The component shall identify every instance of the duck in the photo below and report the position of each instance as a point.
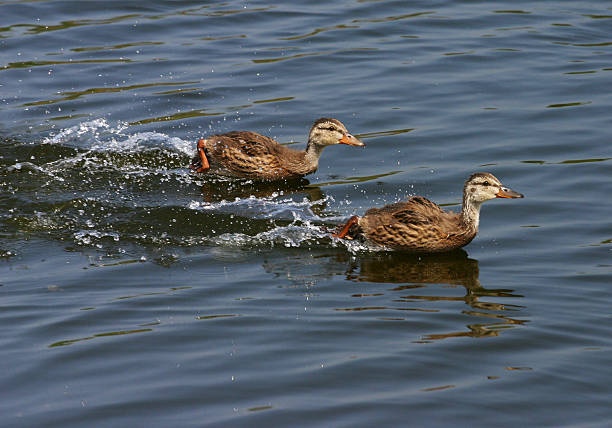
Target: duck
(249, 155)
(420, 226)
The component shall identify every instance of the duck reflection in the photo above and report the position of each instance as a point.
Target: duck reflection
(411, 279)
(222, 189)
(449, 270)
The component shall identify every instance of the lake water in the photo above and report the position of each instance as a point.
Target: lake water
(135, 293)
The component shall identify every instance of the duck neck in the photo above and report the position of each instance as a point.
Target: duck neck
(313, 153)
(470, 213)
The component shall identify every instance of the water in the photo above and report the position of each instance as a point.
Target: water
(135, 293)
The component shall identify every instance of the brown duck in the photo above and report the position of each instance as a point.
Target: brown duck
(247, 154)
(419, 225)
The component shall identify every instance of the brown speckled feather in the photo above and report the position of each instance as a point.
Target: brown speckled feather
(251, 155)
(415, 225)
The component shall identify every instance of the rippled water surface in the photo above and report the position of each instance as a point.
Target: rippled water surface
(135, 293)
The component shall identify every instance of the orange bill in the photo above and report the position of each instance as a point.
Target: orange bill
(350, 140)
(505, 192)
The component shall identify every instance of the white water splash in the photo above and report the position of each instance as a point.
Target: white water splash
(300, 234)
(260, 208)
(99, 135)
(31, 167)
(94, 128)
(266, 207)
(92, 237)
(293, 235)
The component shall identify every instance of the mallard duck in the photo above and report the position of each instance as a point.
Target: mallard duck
(250, 155)
(419, 225)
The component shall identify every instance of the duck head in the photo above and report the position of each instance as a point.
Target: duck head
(482, 186)
(327, 131)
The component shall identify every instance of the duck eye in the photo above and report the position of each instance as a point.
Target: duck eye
(486, 183)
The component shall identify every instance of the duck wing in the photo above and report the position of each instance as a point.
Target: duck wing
(247, 154)
(417, 224)
(416, 210)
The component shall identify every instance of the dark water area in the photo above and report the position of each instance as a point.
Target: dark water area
(136, 293)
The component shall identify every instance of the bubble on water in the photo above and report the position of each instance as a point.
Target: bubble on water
(5, 254)
(93, 237)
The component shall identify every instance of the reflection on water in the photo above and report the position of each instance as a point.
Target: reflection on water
(112, 333)
(411, 287)
(217, 189)
(357, 179)
(451, 269)
(73, 95)
(569, 161)
(318, 31)
(143, 328)
(29, 64)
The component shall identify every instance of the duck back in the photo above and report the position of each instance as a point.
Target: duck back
(416, 225)
(251, 155)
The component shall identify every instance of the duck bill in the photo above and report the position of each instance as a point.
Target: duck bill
(504, 192)
(350, 140)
